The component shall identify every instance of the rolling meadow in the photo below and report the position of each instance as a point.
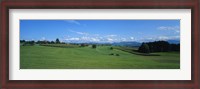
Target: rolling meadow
(102, 57)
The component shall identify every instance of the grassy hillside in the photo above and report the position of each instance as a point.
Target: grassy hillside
(44, 57)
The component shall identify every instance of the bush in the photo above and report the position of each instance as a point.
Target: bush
(111, 54)
(111, 48)
(117, 54)
(94, 46)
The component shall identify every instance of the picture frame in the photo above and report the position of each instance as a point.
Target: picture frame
(119, 4)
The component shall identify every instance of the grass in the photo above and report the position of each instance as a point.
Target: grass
(60, 45)
(45, 57)
(134, 51)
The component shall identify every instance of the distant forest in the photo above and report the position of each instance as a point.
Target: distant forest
(158, 46)
(40, 42)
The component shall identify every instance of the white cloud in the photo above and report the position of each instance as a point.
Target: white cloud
(82, 39)
(159, 38)
(96, 35)
(177, 31)
(132, 38)
(109, 39)
(123, 39)
(73, 22)
(91, 39)
(95, 39)
(112, 35)
(81, 33)
(170, 28)
(85, 38)
(168, 37)
(163, 38)
(72, 39)
(43, 38)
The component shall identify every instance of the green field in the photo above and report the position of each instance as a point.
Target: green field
(45, 57)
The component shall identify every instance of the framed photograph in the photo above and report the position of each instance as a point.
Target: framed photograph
(100, 44)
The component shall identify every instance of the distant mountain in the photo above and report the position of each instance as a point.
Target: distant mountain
(174, 41)
(131, 44)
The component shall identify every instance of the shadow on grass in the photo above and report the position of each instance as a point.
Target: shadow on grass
(133, 51)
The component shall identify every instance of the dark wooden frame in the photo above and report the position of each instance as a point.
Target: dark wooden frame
(103, 4)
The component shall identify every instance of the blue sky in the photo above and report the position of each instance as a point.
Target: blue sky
(100, 30)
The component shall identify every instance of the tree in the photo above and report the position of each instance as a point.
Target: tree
(83, 44)
(111, 48)
(94, 46)
(52, 42)
(57, 41)
(144, 48)
(32, 42)
(22, 41)
(48, 42)
(159, 46)
(29, 43)
(174, 47)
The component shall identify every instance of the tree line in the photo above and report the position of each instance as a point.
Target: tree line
(158, 46)
(57, 41)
